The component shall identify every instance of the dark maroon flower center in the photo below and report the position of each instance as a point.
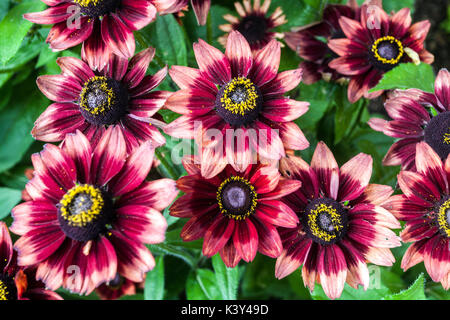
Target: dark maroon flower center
(239, 102)
(441, 217)
(253, 28)
(325, 220)
(97, 8)
(386, 53)
(85, 212)
(437, 134)
(8, 290)
(237, 198)
(103, 101)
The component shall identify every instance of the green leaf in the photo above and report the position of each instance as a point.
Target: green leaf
(8, 199)
(227, 278)
(407, 76)
(415, 292)
(14, 28)
(17, 121)
(4, 6)
(201, 285)
(166, 36)
(154, 282)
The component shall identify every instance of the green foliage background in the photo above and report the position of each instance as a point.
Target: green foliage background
(181, 271)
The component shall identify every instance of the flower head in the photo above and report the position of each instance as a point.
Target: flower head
(424, 205)
(236, 213)
(236, 96)
(417, 116)
(254, 23)
(103, 26)
(91, 101)
(91, 213)
(310, 42)
(17, 283)
(376, 44)
(341, 222)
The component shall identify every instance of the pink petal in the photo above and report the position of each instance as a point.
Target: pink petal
(265, 63)
(52, 15)
(77, 146)
(109, 156)
(332, 269)
(284, 110)
(134, 171)
(56, 121)
(38, 244)
(239, 54)
(75, 68)
(326, 169)
(277, 213)
(6, 247)
(148, 83)
(117, 36)
(134, 259)
(157, 194)
(136, 14)
(442, 88)
(62, 36)
(59, 88)
(245, 239)
(141, 223)
(355, 176)
(284, 81)
(195, 102)
(217, 235)
(138, 67)
(201, 9)
(212, 62)
(32, 215)
(94, 51)
(187, 78)
(269, 240)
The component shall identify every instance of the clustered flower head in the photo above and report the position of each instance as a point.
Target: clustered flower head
(90, 210)
(241, 95)
(341, 222)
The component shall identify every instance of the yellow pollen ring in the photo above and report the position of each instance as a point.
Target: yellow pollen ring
(313, 216)
(242, 107)
(442, 218)
(447, 138)
(3, 291)
(84, 217)
(101, 83)
(86, 3)
(253, 195)
(391, 40)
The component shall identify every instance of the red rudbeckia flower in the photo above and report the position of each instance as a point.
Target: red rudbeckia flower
(236, 95)
(342, 225)
(103, 26)
(90, 101)
(17, 283)
(201, 8)
(308, 42)
(91, 213)
(413, 122)
(425, 206)
(235, 212)
(376, 44)
(253, 23)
